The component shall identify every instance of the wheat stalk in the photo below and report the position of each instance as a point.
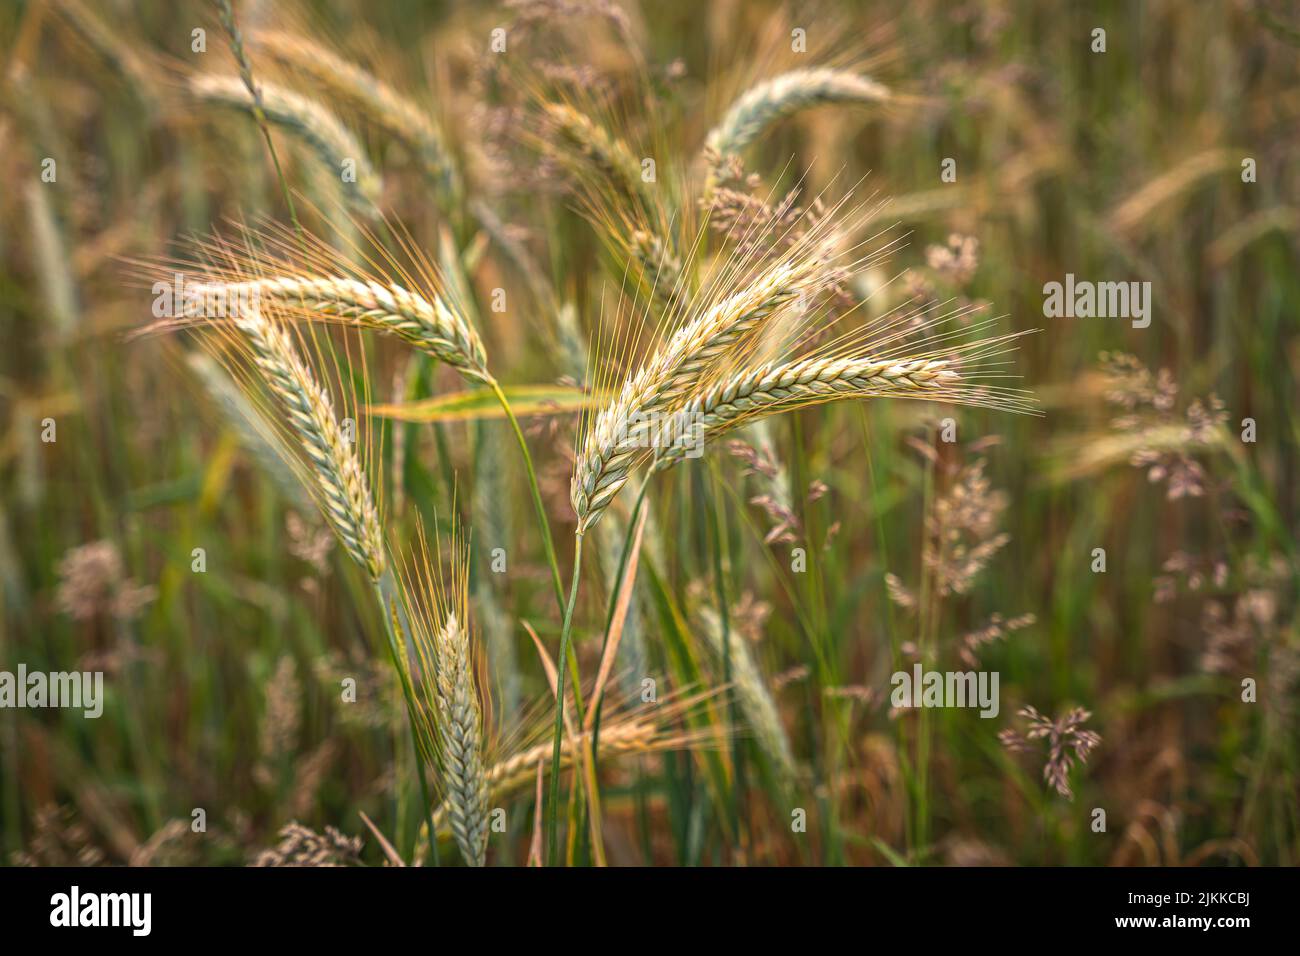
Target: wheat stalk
(316, 126)
(375, 100)
(338, 477)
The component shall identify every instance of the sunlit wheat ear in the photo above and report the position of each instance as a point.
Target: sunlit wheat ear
(307, 280)
(334, 145)
(753, 695)
(771, 100)
(390, 111)
(428, 324)
(438, 611)
(462, 742)
(618, 437)
(772, 389)
(335, 473)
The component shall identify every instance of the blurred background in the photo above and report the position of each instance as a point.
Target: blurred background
(1161, 151)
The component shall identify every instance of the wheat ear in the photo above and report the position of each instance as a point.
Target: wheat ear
(618, 437)
(771, 389)
(339, 479)
(312, 123)
(460, 725)
(765, 103)
(375, 100)
(428, 323)
(753, 695)
(611, 156)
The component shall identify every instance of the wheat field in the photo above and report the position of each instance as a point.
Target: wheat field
(600, 433)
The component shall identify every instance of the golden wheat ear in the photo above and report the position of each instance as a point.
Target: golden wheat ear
(307, 280)
(760, 341)
(379, 104)
(436, 596)
(333, 472)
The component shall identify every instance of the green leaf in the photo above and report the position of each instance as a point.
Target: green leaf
(480, 403)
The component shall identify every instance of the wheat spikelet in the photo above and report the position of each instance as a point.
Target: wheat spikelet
(379, 103)
(618, 437)
(331, 141)
(753, 695)
(338, 477)
(771, 100)
(426, 322)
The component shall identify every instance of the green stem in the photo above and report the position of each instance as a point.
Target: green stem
(533, 488)
(566, 634)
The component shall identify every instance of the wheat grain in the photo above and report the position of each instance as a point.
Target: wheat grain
(771, 389)
(461, 734)
(513, 774)
(618, 437)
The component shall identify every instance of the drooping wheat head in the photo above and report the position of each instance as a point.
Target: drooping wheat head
(395, 114)
(707, 331)
(308, 280)
(771, 100)
(335, 473)
(759, 341)
(335, 147)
